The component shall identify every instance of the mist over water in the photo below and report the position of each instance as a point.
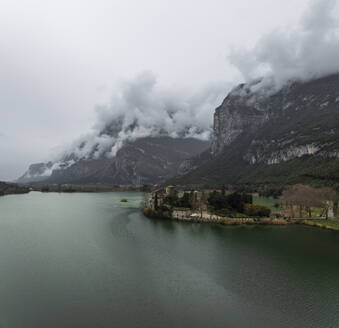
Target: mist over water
(88, 260)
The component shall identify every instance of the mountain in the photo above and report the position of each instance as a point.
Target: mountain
(36, 173)
(148, 160)
(263, 138)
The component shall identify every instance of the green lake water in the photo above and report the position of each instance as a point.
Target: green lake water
(88, 260)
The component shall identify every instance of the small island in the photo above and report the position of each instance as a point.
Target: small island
(298, 204)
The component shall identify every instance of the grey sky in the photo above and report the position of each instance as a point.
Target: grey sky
(58, 59)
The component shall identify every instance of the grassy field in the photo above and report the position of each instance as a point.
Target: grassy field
(270, 202)
(267, 202)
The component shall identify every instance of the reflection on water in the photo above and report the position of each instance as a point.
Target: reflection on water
(89, 260)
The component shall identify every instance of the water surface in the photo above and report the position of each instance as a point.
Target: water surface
(88, 260)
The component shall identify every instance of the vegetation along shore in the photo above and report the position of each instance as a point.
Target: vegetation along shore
(298, 204)
(12, 188)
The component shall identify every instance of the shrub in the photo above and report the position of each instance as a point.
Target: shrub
(256, 210)
(218, 201)
(233, 202)
(224, 212)
(171, 200)
(184, 201)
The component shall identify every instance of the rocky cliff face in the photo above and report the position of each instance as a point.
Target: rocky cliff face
(240, 112)
(301, 119)
(258, 129)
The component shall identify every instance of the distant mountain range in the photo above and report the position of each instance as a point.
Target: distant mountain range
(261, 138)
(265, 138)
(149, 160)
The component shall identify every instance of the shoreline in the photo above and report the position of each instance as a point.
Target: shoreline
(329, 224)
(12, 189)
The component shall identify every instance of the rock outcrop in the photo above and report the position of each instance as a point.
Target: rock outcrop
(300, 119)
(240, 112)
(261, 130)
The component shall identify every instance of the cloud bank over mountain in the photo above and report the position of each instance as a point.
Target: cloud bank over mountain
(307, 51)
(53, 69)
(140, 108)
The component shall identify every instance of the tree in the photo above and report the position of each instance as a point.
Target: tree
(233, 202)
(217, 201)
(145, 203)
(305, 197)
(184, 201)
(328, 198)
(156, 205)
(202, 202)
(256, 210)
(223, 190)
(171, 200)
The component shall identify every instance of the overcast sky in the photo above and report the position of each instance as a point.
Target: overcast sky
(58, 59)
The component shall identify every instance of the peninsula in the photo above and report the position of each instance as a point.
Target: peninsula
(298, 204)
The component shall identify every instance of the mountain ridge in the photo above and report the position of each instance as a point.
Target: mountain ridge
(254, 132)
(260, 137)
(148, 160)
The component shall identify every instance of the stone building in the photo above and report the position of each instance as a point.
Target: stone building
(171, 191)
(158, 196)
(198, 200)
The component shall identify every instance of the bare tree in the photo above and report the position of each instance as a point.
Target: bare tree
(203, 201)
(327, 197)
(306, 197)
(145, 200)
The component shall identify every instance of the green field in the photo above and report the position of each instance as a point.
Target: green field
(270, 202)
(267, 202)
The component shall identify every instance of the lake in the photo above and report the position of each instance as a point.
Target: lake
(88, 260)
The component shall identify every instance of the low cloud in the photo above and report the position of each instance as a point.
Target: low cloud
(311, 50)
(141, 108)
